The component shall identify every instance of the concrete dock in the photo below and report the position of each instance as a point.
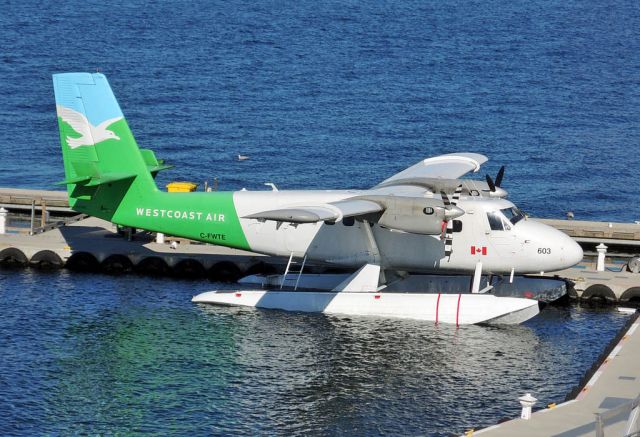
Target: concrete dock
(591, 233)
(18, 198)
(613, 284)
(94, 245)
(609, 392)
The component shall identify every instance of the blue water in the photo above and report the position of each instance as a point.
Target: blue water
(319, 95)
(88, 355)
(344, 94)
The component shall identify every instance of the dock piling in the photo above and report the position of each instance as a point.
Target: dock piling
(3, 220)
(602, 253)
(43, 213)
(33, 216)
(527, 401)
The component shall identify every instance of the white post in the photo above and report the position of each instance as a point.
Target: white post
(527, 402)
(160, 238)
(513, 270)
(33, 216)
(3, 220)
(602, 252)
(477, 276)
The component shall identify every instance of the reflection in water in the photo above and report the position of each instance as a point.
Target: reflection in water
(95, 354)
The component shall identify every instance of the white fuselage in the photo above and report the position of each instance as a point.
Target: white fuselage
(502, 246)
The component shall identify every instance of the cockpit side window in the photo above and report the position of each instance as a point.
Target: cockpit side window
(513, 214)
(495, 222)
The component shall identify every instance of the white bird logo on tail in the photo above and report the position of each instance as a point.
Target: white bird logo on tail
(90, 134)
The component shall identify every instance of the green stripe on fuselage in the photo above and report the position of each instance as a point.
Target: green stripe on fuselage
(208, 217)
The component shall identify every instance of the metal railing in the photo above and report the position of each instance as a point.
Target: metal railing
(631, 407)
(54, 225)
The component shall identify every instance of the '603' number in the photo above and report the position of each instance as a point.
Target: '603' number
(544, 250)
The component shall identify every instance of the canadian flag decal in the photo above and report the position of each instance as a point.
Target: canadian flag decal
(478, 250)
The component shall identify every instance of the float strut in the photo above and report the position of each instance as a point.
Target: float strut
(477, 277)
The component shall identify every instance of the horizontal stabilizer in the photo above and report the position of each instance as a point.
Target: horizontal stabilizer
(75, 180)
(157, 168)
(153, 164)
(89, 181)
(110, 177)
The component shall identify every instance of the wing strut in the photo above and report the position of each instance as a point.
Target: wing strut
(373, 249)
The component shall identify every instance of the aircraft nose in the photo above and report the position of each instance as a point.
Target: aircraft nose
(554, 250)
(571, 251)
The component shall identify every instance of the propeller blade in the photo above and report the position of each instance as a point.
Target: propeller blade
(445, 199)
(499, 176)
(448, 242)
(456, 195)
(492, 186)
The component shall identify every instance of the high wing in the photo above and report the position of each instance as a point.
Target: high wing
(418, 215)
(333, 211)
(399, 199)
(450, 166)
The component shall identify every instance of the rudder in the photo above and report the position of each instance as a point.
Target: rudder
(102, 160)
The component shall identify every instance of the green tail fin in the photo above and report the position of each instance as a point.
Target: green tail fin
(102, 160)
(108, 176)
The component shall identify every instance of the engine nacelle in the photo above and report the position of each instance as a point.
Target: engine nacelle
(415, 215)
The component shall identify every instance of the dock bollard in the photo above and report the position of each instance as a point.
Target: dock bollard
(527, 402)
(602, 252)
(3, 220)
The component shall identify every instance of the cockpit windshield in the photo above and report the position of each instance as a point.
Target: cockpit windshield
(513, 214)
(495, 222)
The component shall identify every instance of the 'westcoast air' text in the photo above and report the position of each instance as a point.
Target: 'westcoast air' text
(180, 215)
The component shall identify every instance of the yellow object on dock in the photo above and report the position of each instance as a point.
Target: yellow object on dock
(181, 187)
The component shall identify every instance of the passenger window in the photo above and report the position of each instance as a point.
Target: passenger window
(348, 221)
(495, 222)
(330, 223)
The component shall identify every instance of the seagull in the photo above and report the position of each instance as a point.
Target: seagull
(242, 157)
(90, 134)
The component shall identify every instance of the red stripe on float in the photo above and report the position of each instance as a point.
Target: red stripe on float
(238, 294)
(437, 308)
(377, 296)
(458, 310)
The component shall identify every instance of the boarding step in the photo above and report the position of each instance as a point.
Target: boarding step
(294, 268)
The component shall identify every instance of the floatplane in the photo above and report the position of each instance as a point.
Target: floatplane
(423, 220)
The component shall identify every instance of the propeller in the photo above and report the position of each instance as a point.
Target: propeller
(451, 211)
(494, 187)
(499, 176)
